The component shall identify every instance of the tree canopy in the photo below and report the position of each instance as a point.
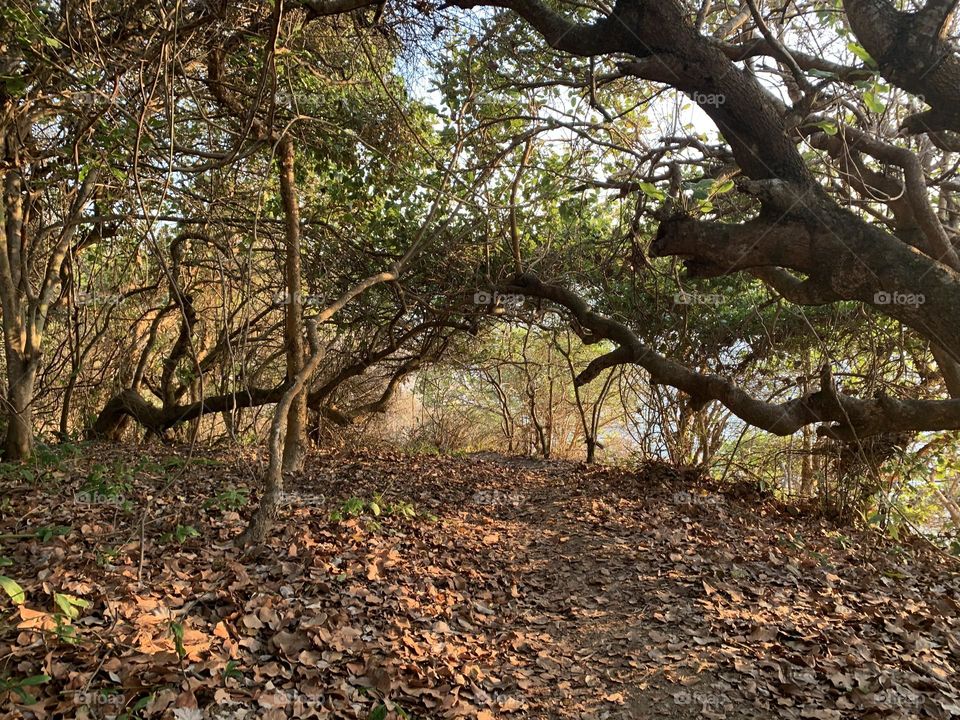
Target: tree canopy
(752, 203)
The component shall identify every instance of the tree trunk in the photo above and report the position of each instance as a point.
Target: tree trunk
(21, 375)
(18, 333)
(266, 513)
(294, 446)
(949, 368)
(808, 481)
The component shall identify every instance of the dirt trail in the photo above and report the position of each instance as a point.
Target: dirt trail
(649, 595)
(477, 587)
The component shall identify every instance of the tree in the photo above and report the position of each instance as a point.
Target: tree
(265, 514)
(804, 236)
(332, 207)
(52, 128)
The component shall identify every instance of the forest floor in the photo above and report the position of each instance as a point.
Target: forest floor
(437, 587)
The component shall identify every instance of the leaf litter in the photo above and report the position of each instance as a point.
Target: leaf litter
(398, 586)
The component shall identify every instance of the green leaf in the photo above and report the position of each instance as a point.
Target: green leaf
(13, 589)
(379, 712)
(828, 127)
(873, 102)
(719, 188)
(25, 697)
(15, 86)
(861, 52)
(176, 630)
(69, 604)
(651, 191)
(48, 532)
(701, 188)
(35, 680)
(230, 671)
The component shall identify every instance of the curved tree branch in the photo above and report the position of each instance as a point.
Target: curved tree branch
(913, 52)
(845, 417)
(609, 34)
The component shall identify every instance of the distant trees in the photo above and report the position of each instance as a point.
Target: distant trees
(513, 393)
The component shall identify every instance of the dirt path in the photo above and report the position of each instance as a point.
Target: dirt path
(476, 587)
(650, 596)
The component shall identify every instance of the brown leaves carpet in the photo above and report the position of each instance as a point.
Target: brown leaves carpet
(518, 589)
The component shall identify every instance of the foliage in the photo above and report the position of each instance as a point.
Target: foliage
(375, 507)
